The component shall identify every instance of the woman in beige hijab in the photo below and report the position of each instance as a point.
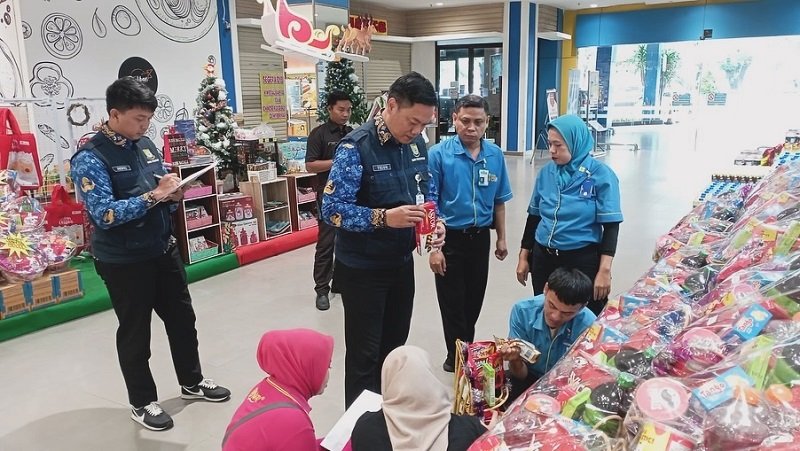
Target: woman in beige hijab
(416, 410)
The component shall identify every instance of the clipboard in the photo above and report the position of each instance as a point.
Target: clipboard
(185, 182)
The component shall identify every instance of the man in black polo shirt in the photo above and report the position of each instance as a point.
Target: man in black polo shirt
(322, 143)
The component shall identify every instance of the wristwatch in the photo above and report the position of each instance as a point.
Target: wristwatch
(149, 197)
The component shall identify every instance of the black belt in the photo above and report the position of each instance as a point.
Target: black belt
(559, 252)
(469, 230)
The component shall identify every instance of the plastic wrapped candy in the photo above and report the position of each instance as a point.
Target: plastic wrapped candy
(481, 383)
(26, 215)
(527, 429)
(8, 185)
(582, 389)
(19, 260)
(661, 417)
(58, 249)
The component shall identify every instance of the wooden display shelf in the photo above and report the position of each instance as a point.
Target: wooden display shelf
(262, 192)
(295, 181)
(211, 232)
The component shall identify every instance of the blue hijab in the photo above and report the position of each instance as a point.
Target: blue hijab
(579, 142)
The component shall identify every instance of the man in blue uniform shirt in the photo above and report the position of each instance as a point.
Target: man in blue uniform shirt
(470, 175)
(122, 178)
(551, 321)
(378, 180)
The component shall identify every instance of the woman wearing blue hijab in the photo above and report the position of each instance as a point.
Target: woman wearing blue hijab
(574, 213)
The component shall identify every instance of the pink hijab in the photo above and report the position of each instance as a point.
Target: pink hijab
(296, 359)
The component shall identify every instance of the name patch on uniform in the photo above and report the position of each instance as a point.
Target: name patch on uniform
(123, 168)
(381, 167)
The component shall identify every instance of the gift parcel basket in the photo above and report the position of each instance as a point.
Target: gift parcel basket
(481, 385)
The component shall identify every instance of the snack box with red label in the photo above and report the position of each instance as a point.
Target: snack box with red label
(235, 207)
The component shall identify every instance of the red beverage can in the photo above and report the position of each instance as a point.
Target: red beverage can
(428, 224)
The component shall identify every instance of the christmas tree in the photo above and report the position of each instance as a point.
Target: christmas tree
(340, 76)
(214, 119)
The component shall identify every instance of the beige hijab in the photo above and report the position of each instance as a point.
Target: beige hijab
(416, 405)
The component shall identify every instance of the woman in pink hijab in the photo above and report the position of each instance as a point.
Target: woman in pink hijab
(274, 416)
(415, 414)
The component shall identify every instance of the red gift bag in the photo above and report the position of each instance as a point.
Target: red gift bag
(18, 151)
(66, 215)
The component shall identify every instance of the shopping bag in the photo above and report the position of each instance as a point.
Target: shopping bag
(18, 151)
(66, 215)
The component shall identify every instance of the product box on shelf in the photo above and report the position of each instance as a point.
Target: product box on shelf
(197, 217)
(201, 248)
(305, 194)
(197, 190)
(262, 172)
(12, 301)
(235, 207)
(39, 292)
(239, 233)
(68, 285)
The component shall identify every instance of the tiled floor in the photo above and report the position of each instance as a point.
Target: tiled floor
(62, 388)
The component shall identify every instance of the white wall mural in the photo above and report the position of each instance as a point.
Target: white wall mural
(76, 48)
(12, 72)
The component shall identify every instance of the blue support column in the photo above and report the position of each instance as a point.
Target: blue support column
(226, 51)
(548, 76)
(651, 74)
(519, 49)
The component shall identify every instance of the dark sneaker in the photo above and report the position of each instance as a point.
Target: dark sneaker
(323, 303)
(449, 366)
(152, 416)
(206, 390)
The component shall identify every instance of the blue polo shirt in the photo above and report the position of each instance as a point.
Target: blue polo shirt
(463, 202)
(527, 323)
(572, 216)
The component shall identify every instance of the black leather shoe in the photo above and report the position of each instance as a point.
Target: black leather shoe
(448, 366)
(323, 303)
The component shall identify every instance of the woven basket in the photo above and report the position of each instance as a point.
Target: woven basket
(464, 403)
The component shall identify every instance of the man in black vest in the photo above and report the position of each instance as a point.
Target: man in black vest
(322, 142)
(378, 180)
(122, 179)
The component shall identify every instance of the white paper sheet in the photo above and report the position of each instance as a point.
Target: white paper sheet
(340, 433)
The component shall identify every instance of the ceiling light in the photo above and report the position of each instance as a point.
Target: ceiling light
(593, 5)
(438, 4)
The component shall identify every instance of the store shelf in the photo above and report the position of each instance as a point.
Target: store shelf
(200, 197)
(198, 229)
(306, 202)
(269, 210)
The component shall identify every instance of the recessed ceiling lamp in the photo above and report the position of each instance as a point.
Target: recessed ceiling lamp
(593, 5)
(438, 4)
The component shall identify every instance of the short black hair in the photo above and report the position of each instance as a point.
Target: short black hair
(413, 88)
(336, 96)
(571, 286)
(472, 101)
(127, 93)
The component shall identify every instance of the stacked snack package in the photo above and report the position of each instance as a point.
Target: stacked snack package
(702, 353)
(26, 250)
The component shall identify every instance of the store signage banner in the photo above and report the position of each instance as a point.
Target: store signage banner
(381, 25)
(273, 96)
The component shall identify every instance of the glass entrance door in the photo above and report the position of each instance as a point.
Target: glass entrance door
(466, 70)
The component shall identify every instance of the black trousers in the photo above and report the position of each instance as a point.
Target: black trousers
(544, 261)
(377, 317)
(461, 290)
(323, 255)
(138, 289)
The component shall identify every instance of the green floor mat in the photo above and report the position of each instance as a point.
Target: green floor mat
(96, 298)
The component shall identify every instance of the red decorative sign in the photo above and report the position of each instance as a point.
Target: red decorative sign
(381, 26)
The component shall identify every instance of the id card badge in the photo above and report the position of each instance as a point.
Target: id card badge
(420, 198)
(483, 177)
(587, 188)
